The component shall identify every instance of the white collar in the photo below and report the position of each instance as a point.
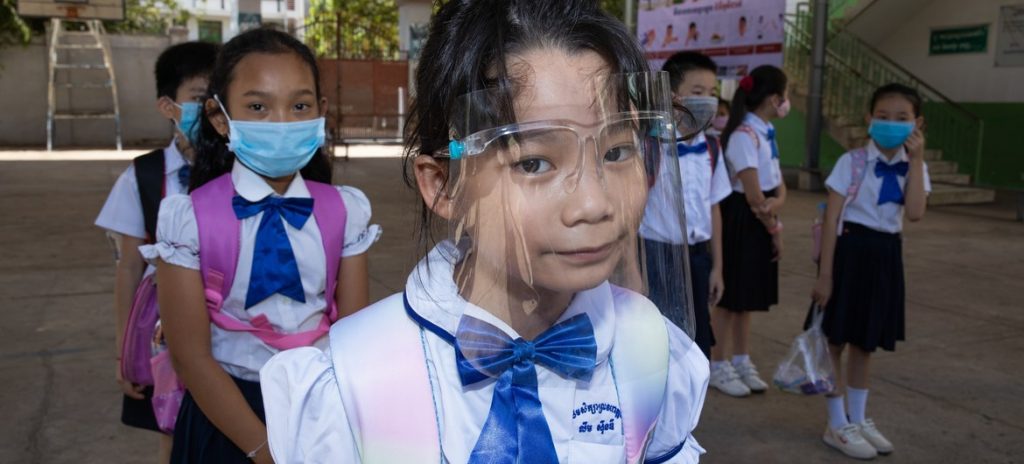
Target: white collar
(173, 159)
(875, 154)
(696, 140)
(253, 187)
(433, 295)
(755, 121)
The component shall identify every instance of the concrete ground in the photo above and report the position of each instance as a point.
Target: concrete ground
(954, 392)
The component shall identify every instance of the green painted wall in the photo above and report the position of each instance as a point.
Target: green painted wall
(792, 133)
(1002, 150)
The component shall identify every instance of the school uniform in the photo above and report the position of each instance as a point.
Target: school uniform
(868, 295)
(703, 186)
(313, 414)
(122, 215)
(239, 353)
(751, 277)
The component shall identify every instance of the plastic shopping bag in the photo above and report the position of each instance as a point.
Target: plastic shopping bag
(807, 369)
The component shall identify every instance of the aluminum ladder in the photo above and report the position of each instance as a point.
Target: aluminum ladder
(91, 39)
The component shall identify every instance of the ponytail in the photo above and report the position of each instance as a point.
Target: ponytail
(763, 82)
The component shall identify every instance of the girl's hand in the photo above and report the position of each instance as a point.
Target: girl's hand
(263, 456)
(717, 287)
(822, 291)
(769, 208)
(777, 246)
(129, 389)
(915, 145)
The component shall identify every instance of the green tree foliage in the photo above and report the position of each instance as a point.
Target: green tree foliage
(148, 17)
(13, 29)
(363, 28)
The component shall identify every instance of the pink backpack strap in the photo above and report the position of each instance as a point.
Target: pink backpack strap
(219, 243)
(858, 168)
(752, 133)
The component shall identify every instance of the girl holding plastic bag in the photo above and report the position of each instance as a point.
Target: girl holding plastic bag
(860, 279)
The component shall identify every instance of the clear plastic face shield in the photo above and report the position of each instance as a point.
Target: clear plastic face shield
(547, 186)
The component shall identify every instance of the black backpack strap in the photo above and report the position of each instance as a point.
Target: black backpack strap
(149, 175)
(714, 149)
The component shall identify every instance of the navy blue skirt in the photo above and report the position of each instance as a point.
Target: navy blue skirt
(139, 413)
(198, 441)
(751, 277)
(868, 290)
(662, 270)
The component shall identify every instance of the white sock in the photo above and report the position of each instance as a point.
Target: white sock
(717, 365)
(836, 412)
(858, 400)
(739, 359)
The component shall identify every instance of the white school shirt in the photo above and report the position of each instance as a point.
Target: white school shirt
(307, 421)
(745, 153)
(703, 187)
(242, 354)
(122, 213)
(864, 209)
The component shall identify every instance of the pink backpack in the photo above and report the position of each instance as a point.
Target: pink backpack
(136, 348)
(219, 235)
(858, 167)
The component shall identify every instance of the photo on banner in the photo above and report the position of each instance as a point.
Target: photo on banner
(739, 34)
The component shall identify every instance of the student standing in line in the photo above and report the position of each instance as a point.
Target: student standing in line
(705, 183)
(860, 280)
(263, 254)
(130, 212)
(751, 229)
(535, 123)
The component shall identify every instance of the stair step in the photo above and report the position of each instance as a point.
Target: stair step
(80, 66)
(942, 167)
(956, 195)
(80, 47)
(932, 155)
(86, 85)
(951, 178)
(98, 115)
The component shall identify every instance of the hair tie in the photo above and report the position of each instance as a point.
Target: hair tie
(747, 83)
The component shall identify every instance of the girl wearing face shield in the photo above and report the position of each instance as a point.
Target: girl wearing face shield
(533, 145)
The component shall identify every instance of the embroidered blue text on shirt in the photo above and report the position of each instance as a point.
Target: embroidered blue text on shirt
(602, 426)
(596, 408)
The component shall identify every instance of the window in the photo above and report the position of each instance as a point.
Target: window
(211, 31)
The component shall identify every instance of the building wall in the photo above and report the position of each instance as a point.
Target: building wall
(904, 36)
(23, 91)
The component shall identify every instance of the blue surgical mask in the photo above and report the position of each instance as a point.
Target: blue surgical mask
(890, 134)
(189, 122)
(274, 149)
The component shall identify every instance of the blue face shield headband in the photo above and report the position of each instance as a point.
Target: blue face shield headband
(890, 134)
(188, 124)
(274, 149)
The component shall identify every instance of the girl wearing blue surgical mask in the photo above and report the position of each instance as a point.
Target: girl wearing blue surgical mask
(263, 254)
(860, 279)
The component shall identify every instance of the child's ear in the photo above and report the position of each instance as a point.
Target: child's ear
(431, 177)
(167, 108)
(919, 122)
(867, 119)
(323, 106)
(216, 117)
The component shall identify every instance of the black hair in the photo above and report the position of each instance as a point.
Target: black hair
(212, 156)
(468, 48)
(897, 89)
(683, 62)
(767, 81)
(181, 62)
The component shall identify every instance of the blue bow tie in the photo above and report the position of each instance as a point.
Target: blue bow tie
(890, 174)
(183, 176)
(274, 269)
(516, 430)
(683, 149)
(770, 137)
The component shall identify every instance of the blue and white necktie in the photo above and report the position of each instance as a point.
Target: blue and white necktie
(770, 137)
(683, 149)
(890, 174)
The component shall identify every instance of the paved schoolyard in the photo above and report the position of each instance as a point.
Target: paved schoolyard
(954, 392)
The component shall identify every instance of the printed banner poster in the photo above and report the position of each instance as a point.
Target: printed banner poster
(739, 34)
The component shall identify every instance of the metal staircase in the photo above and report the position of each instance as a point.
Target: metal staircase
(68, 53)
(853, 70)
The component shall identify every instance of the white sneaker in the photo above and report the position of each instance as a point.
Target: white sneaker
(749, 376)
(725, 379)
(873, 436)
(849, 441)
